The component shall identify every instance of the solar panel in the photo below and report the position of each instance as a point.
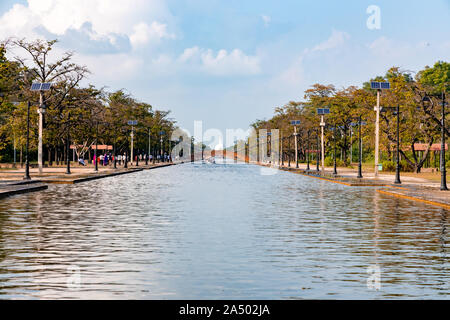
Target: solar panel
(375, 85)
(323, 111)
(46, 86)
(385, 85)
(380, 85)
(41, 86)
(35, 87)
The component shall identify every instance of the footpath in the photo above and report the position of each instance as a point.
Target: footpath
(411, 188)
(12, 183)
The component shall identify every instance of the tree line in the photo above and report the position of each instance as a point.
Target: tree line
(420, 122)
(87, 115)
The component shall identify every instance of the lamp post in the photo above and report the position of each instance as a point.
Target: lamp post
(161, 142)
(397, 167)
(425, 100)
(322, 112)
(149, 147)
(379, 86)
(27, 161)
(396, 112)
(137, 157)
(96, 146)
(295, 123)
(68, 145)
(115, 152)
(289, 151)
(317, 152)
(360, 149)
(334, 152)
(41, 87)
(307, 151)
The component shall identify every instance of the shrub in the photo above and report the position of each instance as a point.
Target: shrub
(388, 166)
(406, 167)
(329, 162)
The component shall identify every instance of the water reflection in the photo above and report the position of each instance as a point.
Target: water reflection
(219, 231)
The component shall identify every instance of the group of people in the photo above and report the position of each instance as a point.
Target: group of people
(103, 159)
(107, 159)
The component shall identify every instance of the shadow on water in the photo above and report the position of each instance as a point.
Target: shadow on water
(212, 231)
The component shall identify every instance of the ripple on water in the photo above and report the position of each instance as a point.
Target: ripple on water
(219, 231)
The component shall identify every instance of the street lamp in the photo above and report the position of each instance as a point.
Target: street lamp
(317, 151)
(360, 153)
(161, 133)
(396, 112)
(307, 150)
(68, 144)
(149, 148)
(96, 146)
(334, 151)
(296, 123)
(379, 86)
(27, 161)
(427, 100)
(41, 87)
(322, 112)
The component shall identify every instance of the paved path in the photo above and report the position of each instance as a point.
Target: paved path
(10, 188)
(412, 188)
(12, 183)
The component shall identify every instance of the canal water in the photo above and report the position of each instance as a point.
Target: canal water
(214, 231)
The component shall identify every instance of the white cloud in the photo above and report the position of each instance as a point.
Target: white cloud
(223, 63)
(189, 54)
(107, 18)
(337, 39)
(266, 19)
(143, 33)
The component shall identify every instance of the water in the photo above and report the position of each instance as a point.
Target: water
(212, 231)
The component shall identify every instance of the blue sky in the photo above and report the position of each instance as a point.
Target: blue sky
(229, 63)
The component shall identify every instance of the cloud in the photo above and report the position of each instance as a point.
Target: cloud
(139, 20)
(143, 33)
(266, 20)
(337, 39)
(222, 63)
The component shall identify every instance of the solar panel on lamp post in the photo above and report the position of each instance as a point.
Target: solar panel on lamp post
(379, 86)
(41, 87)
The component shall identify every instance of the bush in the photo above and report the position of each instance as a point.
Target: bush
(406, 167)
(388, 166)
(329, 162)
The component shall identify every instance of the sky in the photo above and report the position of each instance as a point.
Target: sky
(228, 63)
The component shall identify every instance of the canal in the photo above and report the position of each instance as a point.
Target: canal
(214, 231)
